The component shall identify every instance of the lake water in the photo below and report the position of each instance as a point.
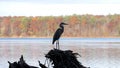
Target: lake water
(95, 52)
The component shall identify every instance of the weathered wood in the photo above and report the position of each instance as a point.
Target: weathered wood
(64, 59)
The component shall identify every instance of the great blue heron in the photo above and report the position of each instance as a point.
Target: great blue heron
(58, 33)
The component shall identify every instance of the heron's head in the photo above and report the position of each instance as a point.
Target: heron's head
(62, 24)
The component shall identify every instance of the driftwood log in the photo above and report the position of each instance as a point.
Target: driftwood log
(57, 58)
(63, 59)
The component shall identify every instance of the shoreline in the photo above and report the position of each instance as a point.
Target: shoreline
(82, 38)
(61, 37)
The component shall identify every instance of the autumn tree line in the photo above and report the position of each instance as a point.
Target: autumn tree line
(45, 26)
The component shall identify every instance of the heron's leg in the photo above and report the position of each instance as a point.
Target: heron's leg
(58, 45)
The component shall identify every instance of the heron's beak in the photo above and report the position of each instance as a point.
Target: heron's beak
(65, 24)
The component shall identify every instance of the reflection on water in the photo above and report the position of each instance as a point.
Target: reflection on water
(94, 54)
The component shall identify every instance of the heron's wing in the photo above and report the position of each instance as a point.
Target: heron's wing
(57, 34)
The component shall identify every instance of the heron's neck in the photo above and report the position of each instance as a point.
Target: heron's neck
(61, 27)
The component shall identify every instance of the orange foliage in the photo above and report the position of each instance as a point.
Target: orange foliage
(45, 26)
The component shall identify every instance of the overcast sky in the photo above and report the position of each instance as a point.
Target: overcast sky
(58, 7)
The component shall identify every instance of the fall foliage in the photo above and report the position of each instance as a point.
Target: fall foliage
(45, 26)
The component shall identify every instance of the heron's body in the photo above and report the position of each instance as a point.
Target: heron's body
(58, 34)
